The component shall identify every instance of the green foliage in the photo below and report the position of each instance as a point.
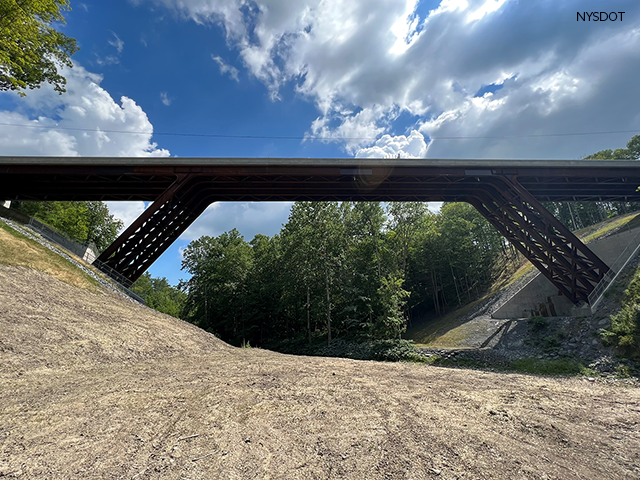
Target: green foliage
(84, 222)
(217, 290)
(632, 152)
(538, 323)
(345, 272)
(546, 367)
(31, 49)
(382, 350)
(623, 371)
(624, 332)
(160, 295)
(393, 298)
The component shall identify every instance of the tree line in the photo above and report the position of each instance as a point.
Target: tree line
(340, 270)
(82, 222)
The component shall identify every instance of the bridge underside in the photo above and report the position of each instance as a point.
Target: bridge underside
(506, 193)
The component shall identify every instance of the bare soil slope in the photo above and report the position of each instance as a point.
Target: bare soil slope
(94, 386)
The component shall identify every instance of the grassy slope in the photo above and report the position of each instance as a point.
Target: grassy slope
(20, 251)
(450, 329)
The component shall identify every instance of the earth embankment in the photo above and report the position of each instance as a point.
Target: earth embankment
(95, 386)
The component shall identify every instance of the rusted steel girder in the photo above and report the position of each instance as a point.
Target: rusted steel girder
(548, 244)
(501, 199)
(133, 252)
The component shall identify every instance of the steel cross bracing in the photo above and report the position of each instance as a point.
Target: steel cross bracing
(550, 246)
(507, 192)
(133, 252)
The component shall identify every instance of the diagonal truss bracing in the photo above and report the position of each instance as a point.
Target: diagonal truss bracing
(540, 237)
(155, 230)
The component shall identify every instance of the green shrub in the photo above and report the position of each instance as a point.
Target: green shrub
(546, 367)
(551, 343)
(393, 350)
(538, 323)
(624, 332)
(382, 350)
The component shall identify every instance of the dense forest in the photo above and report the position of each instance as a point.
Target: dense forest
(352, 271)
(339, 270)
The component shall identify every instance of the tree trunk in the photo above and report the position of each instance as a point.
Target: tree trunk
(455, 283)
(308, 314)
(326, 277)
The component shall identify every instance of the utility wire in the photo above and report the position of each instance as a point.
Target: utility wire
(315, 137)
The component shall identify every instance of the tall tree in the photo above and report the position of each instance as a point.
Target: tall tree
(31, 49)
(217, 290)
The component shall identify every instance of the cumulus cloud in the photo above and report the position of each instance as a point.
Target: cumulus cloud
(363, 63)
(80, 122)
(77, 123)
(226, 68)
(400, 146)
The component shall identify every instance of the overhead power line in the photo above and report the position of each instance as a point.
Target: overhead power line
(317, 137)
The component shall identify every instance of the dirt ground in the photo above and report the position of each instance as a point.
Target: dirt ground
(94, 386)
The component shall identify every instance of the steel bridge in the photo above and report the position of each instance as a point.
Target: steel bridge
(506, 192)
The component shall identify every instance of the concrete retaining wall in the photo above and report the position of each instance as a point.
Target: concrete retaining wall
(541, 297)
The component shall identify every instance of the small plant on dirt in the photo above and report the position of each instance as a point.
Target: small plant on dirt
(546, 367)
(538, 323)
(551, 343)
(623, 371)
(589, 372)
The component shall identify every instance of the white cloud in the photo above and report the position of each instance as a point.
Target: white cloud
(108, 60)
(89, 108)
(116, 43)
(250, 218)
(164, 97)
(364, 63)
(226, 68)
(86, 107)
(400, 146)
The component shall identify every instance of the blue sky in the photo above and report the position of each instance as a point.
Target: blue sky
(400, 73)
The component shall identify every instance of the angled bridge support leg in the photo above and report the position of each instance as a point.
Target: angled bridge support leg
(155, 230)
(540, 237)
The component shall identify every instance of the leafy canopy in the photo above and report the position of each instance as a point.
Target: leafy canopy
(632, 152)
(31, 49)
(84, 222)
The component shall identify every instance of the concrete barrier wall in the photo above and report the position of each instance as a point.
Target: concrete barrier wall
(541, 297)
